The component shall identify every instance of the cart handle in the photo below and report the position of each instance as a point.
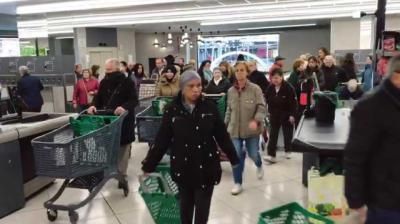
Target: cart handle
(100, 112)
(145, 189)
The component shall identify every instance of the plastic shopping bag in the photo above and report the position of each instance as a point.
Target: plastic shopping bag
(326, 194)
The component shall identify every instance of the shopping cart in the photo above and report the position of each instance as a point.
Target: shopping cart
(160, 193)
(86, 162)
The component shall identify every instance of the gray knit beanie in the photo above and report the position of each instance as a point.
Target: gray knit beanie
(188, 76)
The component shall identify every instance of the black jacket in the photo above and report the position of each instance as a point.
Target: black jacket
(350, 72)
(222, 87)
(116, 90)
(345, 94)
(29, 88)
(372, 168)
(192, 140)
(260, 79)
(330, 78)
(283, 104)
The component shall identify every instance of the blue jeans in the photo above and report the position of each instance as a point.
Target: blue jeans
(382, 216)
(252, 146)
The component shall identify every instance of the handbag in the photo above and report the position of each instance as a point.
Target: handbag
(89, 97)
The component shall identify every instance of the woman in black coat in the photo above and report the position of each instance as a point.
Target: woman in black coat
(190, 128)
(218, 84)
(118, 93)
(282, 107)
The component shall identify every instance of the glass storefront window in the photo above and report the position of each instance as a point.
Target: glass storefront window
(262, 48)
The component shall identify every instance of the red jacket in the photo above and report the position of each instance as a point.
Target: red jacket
(82, 87)
(382, 66)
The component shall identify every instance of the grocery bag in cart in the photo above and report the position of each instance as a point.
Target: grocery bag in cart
(160, 193)
(291, 213)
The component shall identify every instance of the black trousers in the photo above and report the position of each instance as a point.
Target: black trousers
(274, 134)
(197, 201)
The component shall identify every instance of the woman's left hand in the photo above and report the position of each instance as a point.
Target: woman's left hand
(91, 93)
(253, 125)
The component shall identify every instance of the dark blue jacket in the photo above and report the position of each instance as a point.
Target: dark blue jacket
(29, 88)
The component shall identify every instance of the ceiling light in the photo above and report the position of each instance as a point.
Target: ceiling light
(191, 45)
(277, 27)
(62, 38)
(274, 19)
(24, 42)
(86, 5)
(156, 44)
(6, 1)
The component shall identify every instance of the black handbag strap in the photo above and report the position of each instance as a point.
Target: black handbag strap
(116, 90)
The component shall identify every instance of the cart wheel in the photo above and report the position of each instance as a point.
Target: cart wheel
(52, 215)
(73, 217)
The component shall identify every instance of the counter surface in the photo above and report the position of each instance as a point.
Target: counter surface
(330, 139)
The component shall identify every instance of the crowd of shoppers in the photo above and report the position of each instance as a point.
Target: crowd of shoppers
(193, 130)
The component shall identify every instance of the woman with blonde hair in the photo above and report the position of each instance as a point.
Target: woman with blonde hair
(244, 118)
(227, 71)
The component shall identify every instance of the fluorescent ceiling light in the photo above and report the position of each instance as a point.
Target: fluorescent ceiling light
(288, 18)
(61, 38)
(277, 27)
(86, 5)
(6, 1)
(221, 19)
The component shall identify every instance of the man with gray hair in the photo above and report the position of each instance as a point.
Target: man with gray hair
(118, 93)
(29, 88)
(372, 168)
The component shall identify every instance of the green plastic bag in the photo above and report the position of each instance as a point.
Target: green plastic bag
(159, 105)
(85, 124)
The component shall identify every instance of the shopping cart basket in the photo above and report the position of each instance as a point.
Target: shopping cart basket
(160, 193)
(291, 213)
(89, 159)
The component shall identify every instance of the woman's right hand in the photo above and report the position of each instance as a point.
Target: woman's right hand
(75, 106)
(253, 125)
(92, 110)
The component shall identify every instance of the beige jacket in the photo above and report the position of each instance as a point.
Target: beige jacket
(165, 88)
(244, 107)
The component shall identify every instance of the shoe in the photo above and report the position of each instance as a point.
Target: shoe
(260, 172)
(122, 184)
(237, 189)
(287, 155)
(270, 159)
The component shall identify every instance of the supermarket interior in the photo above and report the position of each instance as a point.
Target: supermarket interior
(199, 111)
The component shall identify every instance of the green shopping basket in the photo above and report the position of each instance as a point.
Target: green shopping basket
(160, 193)
(85, 124)
(291, 213)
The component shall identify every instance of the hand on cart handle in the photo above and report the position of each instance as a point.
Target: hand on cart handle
(91, 110)
(120, 110)
(292, 120)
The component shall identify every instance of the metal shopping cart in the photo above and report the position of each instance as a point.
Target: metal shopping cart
(87, 161)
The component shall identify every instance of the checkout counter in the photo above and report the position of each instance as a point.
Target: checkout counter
(318, 141)
(17, 165)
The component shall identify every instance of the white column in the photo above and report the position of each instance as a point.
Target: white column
(80, 45)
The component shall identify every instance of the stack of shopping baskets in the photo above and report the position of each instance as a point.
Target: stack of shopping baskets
(84, 153)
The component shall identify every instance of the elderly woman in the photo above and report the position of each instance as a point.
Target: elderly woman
(218, 84)
(190, 128)
(244, 117)
(169, 82)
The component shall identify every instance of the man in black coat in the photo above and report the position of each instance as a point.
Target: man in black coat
(118, 93)
(331, 75)
(191, 127)
(29, 88)
(258, 77)
(372, 168)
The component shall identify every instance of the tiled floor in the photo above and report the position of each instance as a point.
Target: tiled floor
(281, 184)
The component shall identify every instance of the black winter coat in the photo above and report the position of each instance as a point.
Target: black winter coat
(283, 104)
(372, 168)
(192, 140)
(330, 78)
(259, 79)
(116, 90)
(222, 87)
(345, 94)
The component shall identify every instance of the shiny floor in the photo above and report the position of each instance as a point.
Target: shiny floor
(281, 184)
